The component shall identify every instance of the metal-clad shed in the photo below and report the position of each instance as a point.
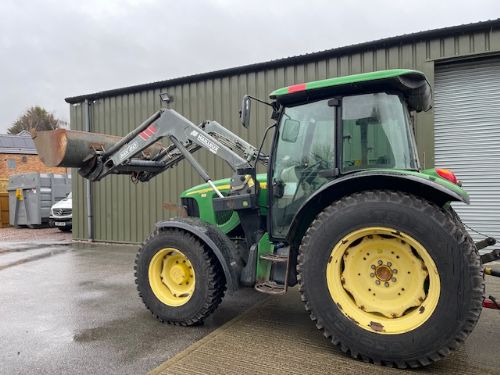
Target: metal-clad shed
(124, 212)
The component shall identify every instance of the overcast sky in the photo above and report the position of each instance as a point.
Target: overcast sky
(50, 50)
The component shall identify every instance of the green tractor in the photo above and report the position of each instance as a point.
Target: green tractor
(384, 265)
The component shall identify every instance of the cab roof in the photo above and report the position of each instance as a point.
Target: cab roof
(411, 83)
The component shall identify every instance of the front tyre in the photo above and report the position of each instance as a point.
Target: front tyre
(390, 278)
(178, 279)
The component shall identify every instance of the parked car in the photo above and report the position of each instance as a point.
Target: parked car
(61, 214)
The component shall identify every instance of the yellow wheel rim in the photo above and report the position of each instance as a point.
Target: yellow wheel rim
(171, 277)
(383, 280)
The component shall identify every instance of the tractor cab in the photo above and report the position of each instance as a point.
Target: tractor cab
(334, 127)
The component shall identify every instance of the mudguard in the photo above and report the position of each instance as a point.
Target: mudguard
(429, 187)
(216, 240)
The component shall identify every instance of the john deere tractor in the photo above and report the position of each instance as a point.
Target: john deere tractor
(384, 265)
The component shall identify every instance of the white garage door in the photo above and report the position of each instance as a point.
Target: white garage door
(467, 138)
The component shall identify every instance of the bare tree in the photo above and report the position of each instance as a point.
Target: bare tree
(35, 118)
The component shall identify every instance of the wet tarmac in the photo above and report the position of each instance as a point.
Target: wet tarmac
(73, 308)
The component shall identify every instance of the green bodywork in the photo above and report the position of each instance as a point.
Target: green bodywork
(263, 266)
(203, 194)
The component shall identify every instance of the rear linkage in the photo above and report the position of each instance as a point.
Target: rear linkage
(490, 302)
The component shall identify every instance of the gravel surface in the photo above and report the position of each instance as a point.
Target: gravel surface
(26, 234)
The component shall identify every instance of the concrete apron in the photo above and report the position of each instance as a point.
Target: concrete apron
(276, 336)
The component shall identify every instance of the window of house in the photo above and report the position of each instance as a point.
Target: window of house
(11, 163)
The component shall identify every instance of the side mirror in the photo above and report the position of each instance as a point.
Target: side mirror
(290, 130)
(246, 105)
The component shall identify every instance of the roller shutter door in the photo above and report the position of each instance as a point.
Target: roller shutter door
(467, 137)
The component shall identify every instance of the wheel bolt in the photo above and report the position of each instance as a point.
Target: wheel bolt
(372, 267)
(372, 275)
(394, 279)
(386, 284)
(377, 282)
(394, 271)
(379, 262)
(389, 264)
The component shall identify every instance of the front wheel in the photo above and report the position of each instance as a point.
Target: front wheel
(178, 279)
(390, 278)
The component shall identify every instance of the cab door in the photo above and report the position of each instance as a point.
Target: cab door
(303, 160)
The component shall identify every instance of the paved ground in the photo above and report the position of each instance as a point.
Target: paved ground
(277, 337)
(26, 234)
(74, 309)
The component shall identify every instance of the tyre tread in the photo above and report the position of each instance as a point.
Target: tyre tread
(453, 225)
(216, 281)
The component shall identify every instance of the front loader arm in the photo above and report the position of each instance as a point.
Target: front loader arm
(186, 138)
(141, 155)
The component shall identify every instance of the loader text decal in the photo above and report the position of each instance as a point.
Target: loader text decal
(129, 149)
(208, 143)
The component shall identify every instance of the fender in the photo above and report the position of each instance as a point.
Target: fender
(434, 189)
(216, 240)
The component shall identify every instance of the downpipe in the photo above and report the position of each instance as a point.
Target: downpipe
(88, 187)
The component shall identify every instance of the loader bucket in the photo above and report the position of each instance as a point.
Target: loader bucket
(72, 149)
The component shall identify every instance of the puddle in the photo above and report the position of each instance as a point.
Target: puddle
(21, 247)
(35, 257)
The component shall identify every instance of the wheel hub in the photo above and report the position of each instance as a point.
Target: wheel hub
(178, 273)
(382, 275)
(171, 277)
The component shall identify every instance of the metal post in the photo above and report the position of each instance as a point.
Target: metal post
(88, 187)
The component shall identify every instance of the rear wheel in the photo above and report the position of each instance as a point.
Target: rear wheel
(390, 278)
(178, 279)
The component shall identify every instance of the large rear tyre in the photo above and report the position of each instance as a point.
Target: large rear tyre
(391, 278)
(178, 279)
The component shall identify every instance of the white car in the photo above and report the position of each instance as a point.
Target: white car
(61, 214)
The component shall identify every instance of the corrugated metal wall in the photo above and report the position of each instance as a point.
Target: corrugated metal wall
(467, 127)
(127, 212)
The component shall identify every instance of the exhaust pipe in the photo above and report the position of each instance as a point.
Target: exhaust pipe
(74, 149)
